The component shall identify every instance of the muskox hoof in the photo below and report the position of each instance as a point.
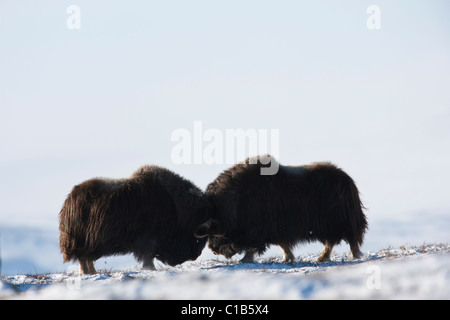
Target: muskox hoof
(86, 266)
(148, 264)
(288, 260)
(249, 256)
(288, 256)
(356, 255)
(355, 252)
(149, 268)
(322, 259)
(325, 256)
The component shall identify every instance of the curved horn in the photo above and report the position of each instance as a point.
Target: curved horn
(216, 230)
(202, 230)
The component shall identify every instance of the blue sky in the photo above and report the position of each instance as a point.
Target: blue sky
(104, 100)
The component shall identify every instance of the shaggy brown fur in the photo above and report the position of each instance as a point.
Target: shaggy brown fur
(154, 213)
(251, 211)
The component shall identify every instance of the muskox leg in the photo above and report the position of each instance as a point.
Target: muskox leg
(325, 256)
(86, 266)
(83, 266)
(148, 263)
(91, 267)
(249, 256)
(288, 256)
(355, 252)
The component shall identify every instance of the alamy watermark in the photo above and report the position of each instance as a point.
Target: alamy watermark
(73, 281)
(73, 21)
(374, 279)
(373, 22)
(215, 146)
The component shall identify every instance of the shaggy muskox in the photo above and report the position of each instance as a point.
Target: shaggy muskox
(251, 211)
(153, 214)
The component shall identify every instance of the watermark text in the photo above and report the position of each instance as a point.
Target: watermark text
(215, 146)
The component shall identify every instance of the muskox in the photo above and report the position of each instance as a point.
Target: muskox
(298, 204)
(153, 214)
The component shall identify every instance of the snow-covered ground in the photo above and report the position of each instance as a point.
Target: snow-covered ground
(34, 249)
(406, 272)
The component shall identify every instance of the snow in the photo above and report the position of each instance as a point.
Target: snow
(406, 272)
(35, 250)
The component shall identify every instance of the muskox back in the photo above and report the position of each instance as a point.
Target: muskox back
(154, 213)
(317, 202)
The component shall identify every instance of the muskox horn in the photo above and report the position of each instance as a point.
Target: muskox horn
(216, 230)
(202, 230)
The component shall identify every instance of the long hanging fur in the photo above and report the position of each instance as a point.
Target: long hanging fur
(154, 213)
(298, 204)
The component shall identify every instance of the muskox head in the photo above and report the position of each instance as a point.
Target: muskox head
(189, 238)
(186, 248)
(219, 243)
(229, 233)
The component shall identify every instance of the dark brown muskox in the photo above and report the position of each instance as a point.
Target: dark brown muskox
(153, 214)
(251, 211)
